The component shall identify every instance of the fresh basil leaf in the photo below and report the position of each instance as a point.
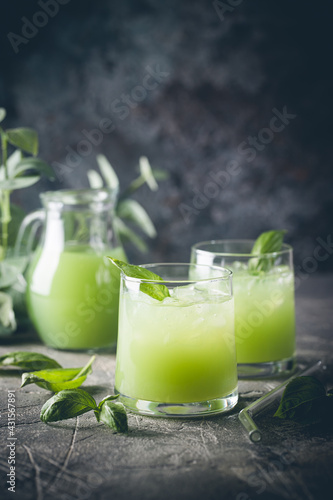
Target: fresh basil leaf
(31, 163)
(108, 398)
(20, 182)
(53, 380)
(147, 173)
(7, 316)
(67, 404)
(12, 161)
(23, 138)
(132, 211)
(108, 173)
(95, 180)
(113, 415)
(86, 369)
(10, 269)
(302, 400)
(59, 379)
(154, 290)
(267, 243)
(2, 114)
(28, 360)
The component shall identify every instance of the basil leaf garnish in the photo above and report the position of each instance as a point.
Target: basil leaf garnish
(30, 361)
(113, 415)
(65, 404)
(58, 379)
(154, 290)
(304, 400)
(267, 243)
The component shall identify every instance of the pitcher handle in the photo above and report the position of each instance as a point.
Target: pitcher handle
(35, 220)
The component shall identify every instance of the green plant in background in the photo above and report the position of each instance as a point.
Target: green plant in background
(128, 210)
(17, 171)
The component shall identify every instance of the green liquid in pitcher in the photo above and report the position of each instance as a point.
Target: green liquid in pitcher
(73, 298)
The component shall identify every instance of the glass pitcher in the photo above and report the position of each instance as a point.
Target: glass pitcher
(72, 288)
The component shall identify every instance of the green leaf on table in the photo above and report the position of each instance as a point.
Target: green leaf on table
(303, 400)
(58, 379)
(65, 404)
(147, 173)
(108, 173)
(28, 360)
(23, 138)
(7, 316)
(154, 290)
(111, 397)
(113, 415)
(267, 243)
(134, 212)
(31, 163)
(95, 180)
(19, 183)
(2, 114)
(125, 234)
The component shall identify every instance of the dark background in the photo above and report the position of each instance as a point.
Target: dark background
(224, 74)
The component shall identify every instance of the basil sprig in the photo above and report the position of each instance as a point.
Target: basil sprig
(305, 401)
(71, 403)
(58, 379)
(154, 290)
(267, 243)
(28, 361)
(67, 404)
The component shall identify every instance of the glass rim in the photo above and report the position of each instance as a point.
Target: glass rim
(285, 249)
(227, 273)
(80, 196)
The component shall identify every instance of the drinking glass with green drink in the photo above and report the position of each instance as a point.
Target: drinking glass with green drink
(176, 347)
(263, 282)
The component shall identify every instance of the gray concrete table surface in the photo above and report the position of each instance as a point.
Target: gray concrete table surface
(210, 458)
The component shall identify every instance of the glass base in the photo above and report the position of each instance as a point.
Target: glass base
(270, 369)
(199, 409)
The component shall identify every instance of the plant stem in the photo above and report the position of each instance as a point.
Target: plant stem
(4, 200)
(134, 186)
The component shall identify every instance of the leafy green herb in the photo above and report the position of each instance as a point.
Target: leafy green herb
(2, 114)
(128, 210)
(114, 416)
(58, 379)
(65, 404)
(267, 243)
(16, 172)
(74, 402)
(154, 290)
(108, 398)
(305, 401)
(7, 316)
(28, 360)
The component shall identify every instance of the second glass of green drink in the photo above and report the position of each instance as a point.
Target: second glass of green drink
(264, 304)
(176, 356)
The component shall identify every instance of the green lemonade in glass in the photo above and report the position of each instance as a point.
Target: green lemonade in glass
(264, 316)
(180, 350)
(72, 297)
(264, 303)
